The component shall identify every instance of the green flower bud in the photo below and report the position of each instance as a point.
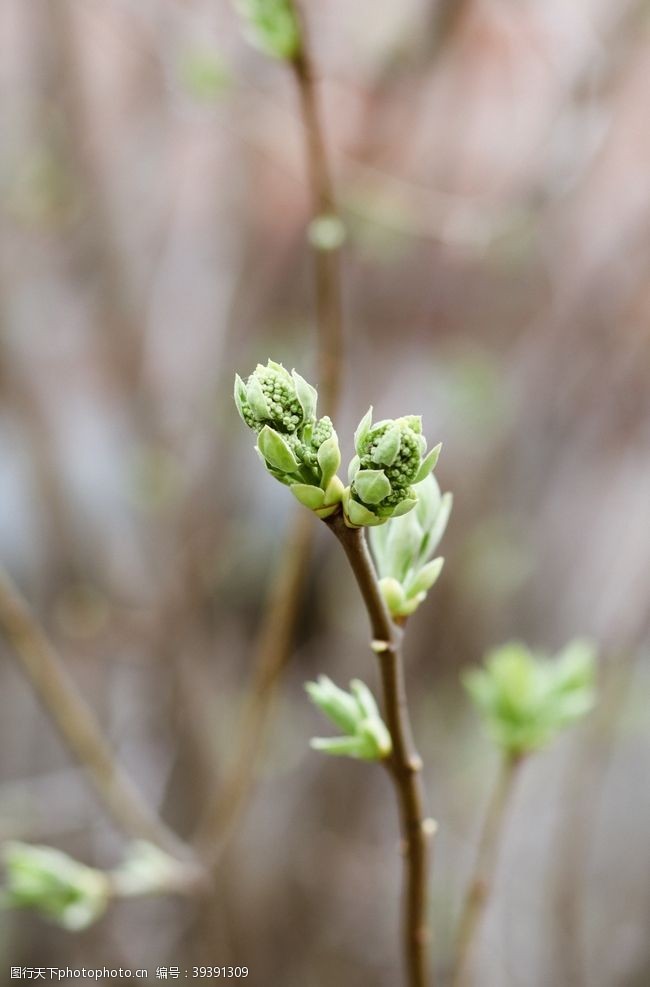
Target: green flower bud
(526, 699)
(297, 448)
(356, 714)
(402, 548)
(390, 458)
(273, 396)
(272, 26)
(51, 882)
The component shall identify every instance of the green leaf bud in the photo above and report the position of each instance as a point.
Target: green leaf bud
(338, 705)
(356, 714)
(527, 699)
(375, 733)
(403, 546)
(272, 26)
(49, 881)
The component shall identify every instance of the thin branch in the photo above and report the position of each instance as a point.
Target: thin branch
(272, 652)
(281, 612)
(327, 263)
(77, 723)
(482, 880)
(404, 764)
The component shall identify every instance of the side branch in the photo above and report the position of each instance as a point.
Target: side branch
(404, 764)
(480, 884)
(327, 262)
(77, 723)
(273, 646)
(272, 652)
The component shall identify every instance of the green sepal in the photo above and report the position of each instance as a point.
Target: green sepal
(276, 451)
(334, 491)
(388, 446)
(272, 26)
(306, 394)
(240, 397)
(308, 495)
(353, 468)
(256, 399)
(362, 430)
(404, 507)
(359, 516)
(428, 463)
(373, 486)
(324, 512)
(329, 459)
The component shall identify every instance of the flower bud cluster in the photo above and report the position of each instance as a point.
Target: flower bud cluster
(302, 451)
(390, 459)
(295, 446)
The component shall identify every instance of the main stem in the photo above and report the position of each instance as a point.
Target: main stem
(480, 885)
(404, 764)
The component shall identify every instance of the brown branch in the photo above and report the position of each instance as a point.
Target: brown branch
(272, 651)
(281, 612)
(77, 723)
(482, 880)
(404, 764)
(327, 263)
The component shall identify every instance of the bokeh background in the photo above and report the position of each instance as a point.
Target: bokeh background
(492, 165)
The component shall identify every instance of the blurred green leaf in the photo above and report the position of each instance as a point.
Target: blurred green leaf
(526, 699)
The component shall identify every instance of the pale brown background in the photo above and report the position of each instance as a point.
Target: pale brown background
(494, 174)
